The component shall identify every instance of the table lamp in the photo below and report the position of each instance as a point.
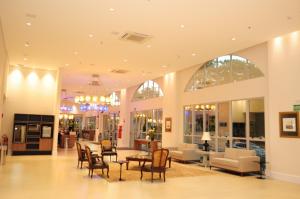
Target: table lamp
(206, 137)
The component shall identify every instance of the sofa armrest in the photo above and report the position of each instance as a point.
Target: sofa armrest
(249, 163)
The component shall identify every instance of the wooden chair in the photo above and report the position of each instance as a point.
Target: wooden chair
(107, 149)
(81, 154)
(158, 164)
(95, 163)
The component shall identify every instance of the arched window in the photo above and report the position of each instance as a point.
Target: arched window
(149, 89)
(223, 70)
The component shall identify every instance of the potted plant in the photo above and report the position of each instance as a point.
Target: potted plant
(151, 133)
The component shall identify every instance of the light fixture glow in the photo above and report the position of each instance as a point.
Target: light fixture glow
(15, 77)
(148, 46)
(25, 58)
(48, 80)
(32, 78)
(233, 38)
(75, 53)
(182, 26)
(111, 9)
(102, 99)
(95, 99)
(91, 35)
(28, 24)
(193, 54)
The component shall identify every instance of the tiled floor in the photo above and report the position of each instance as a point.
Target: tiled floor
(57, 177)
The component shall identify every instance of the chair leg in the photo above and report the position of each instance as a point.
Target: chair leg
(160, 175)
(141, 174)
(89, 171)
(164, 176)
(151, 176)
(78, 164)
(81, 165)
(92, 173)
(107, 172)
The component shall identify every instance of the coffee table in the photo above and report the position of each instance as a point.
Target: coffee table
(142, 158)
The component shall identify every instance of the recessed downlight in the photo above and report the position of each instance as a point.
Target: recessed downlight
(182, 26)
(25, 58)
(91, 35)
(194, 54)
(28, 23)
(233, 38)
(111, 9)
(148, 46)
(26, 44)
(164, 66)
(75, 53)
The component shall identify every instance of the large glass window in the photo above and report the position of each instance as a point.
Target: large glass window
(149, 89)
(240, 124)
(223, 70)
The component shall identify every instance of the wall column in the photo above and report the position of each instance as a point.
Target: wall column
(170, 109)
(124, 119)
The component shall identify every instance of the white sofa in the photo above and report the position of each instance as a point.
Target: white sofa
(239, 160)
(185, 152)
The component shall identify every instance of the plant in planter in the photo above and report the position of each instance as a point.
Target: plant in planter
(151, 133)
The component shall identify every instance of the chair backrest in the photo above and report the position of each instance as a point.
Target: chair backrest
(89, 155)
(159, 158)
(79, 151)
(106, 145)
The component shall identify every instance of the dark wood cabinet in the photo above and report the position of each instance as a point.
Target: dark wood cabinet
(32, 134)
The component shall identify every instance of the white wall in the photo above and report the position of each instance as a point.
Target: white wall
(29, 91)
(233, 91)
(3, 70)
(284, 81)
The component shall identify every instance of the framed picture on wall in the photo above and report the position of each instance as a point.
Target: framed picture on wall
(289, 124)
(168, 124)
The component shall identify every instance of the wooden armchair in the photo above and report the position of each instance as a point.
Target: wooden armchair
(82, 155)
(107, 149)
(95, 163)
(158, 164)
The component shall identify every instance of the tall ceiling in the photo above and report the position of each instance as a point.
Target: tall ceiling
(82, 37)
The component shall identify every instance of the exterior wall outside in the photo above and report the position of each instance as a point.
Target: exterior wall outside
(284, 70)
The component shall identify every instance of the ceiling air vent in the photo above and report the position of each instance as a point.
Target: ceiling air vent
(135, 37)
(119, 71)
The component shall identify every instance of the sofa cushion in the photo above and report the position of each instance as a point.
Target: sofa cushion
(187, 146)
(244, 152)
(226, 162)
(231, 153)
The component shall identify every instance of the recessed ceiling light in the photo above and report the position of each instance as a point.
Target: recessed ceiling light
(28, 23)
(25, 59)
(148, 46)
(91, 35)
(194, 54)
(67, 64)
(164, 66)
(75, 53)
(111, 9)
(181, 26)
(233, 38)
(26, 44)
(125, 60)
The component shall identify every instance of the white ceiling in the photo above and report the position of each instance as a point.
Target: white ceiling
(61, 27)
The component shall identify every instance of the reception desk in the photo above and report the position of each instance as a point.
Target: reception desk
(139, 142)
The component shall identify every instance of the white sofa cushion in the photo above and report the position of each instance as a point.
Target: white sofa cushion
(231, 153)
(226, 162)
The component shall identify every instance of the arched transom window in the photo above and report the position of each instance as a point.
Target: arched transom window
(223, 70)
(149, 89)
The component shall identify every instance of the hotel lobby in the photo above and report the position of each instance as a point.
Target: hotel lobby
(152, 99)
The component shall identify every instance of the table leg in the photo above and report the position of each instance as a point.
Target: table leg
(120, 172)
(170, 162)
(127, 165)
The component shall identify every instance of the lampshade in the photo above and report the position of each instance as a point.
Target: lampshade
(206, 136)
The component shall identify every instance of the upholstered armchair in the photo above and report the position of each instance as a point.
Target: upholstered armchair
(158, 164)
(107, 149)
(95, 163)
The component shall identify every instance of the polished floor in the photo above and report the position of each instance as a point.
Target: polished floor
(57, 177)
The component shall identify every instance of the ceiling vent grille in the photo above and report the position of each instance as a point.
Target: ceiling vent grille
(135, 37)
(119, 71)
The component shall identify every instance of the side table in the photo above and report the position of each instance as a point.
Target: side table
(121, 162)
(205, 157)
